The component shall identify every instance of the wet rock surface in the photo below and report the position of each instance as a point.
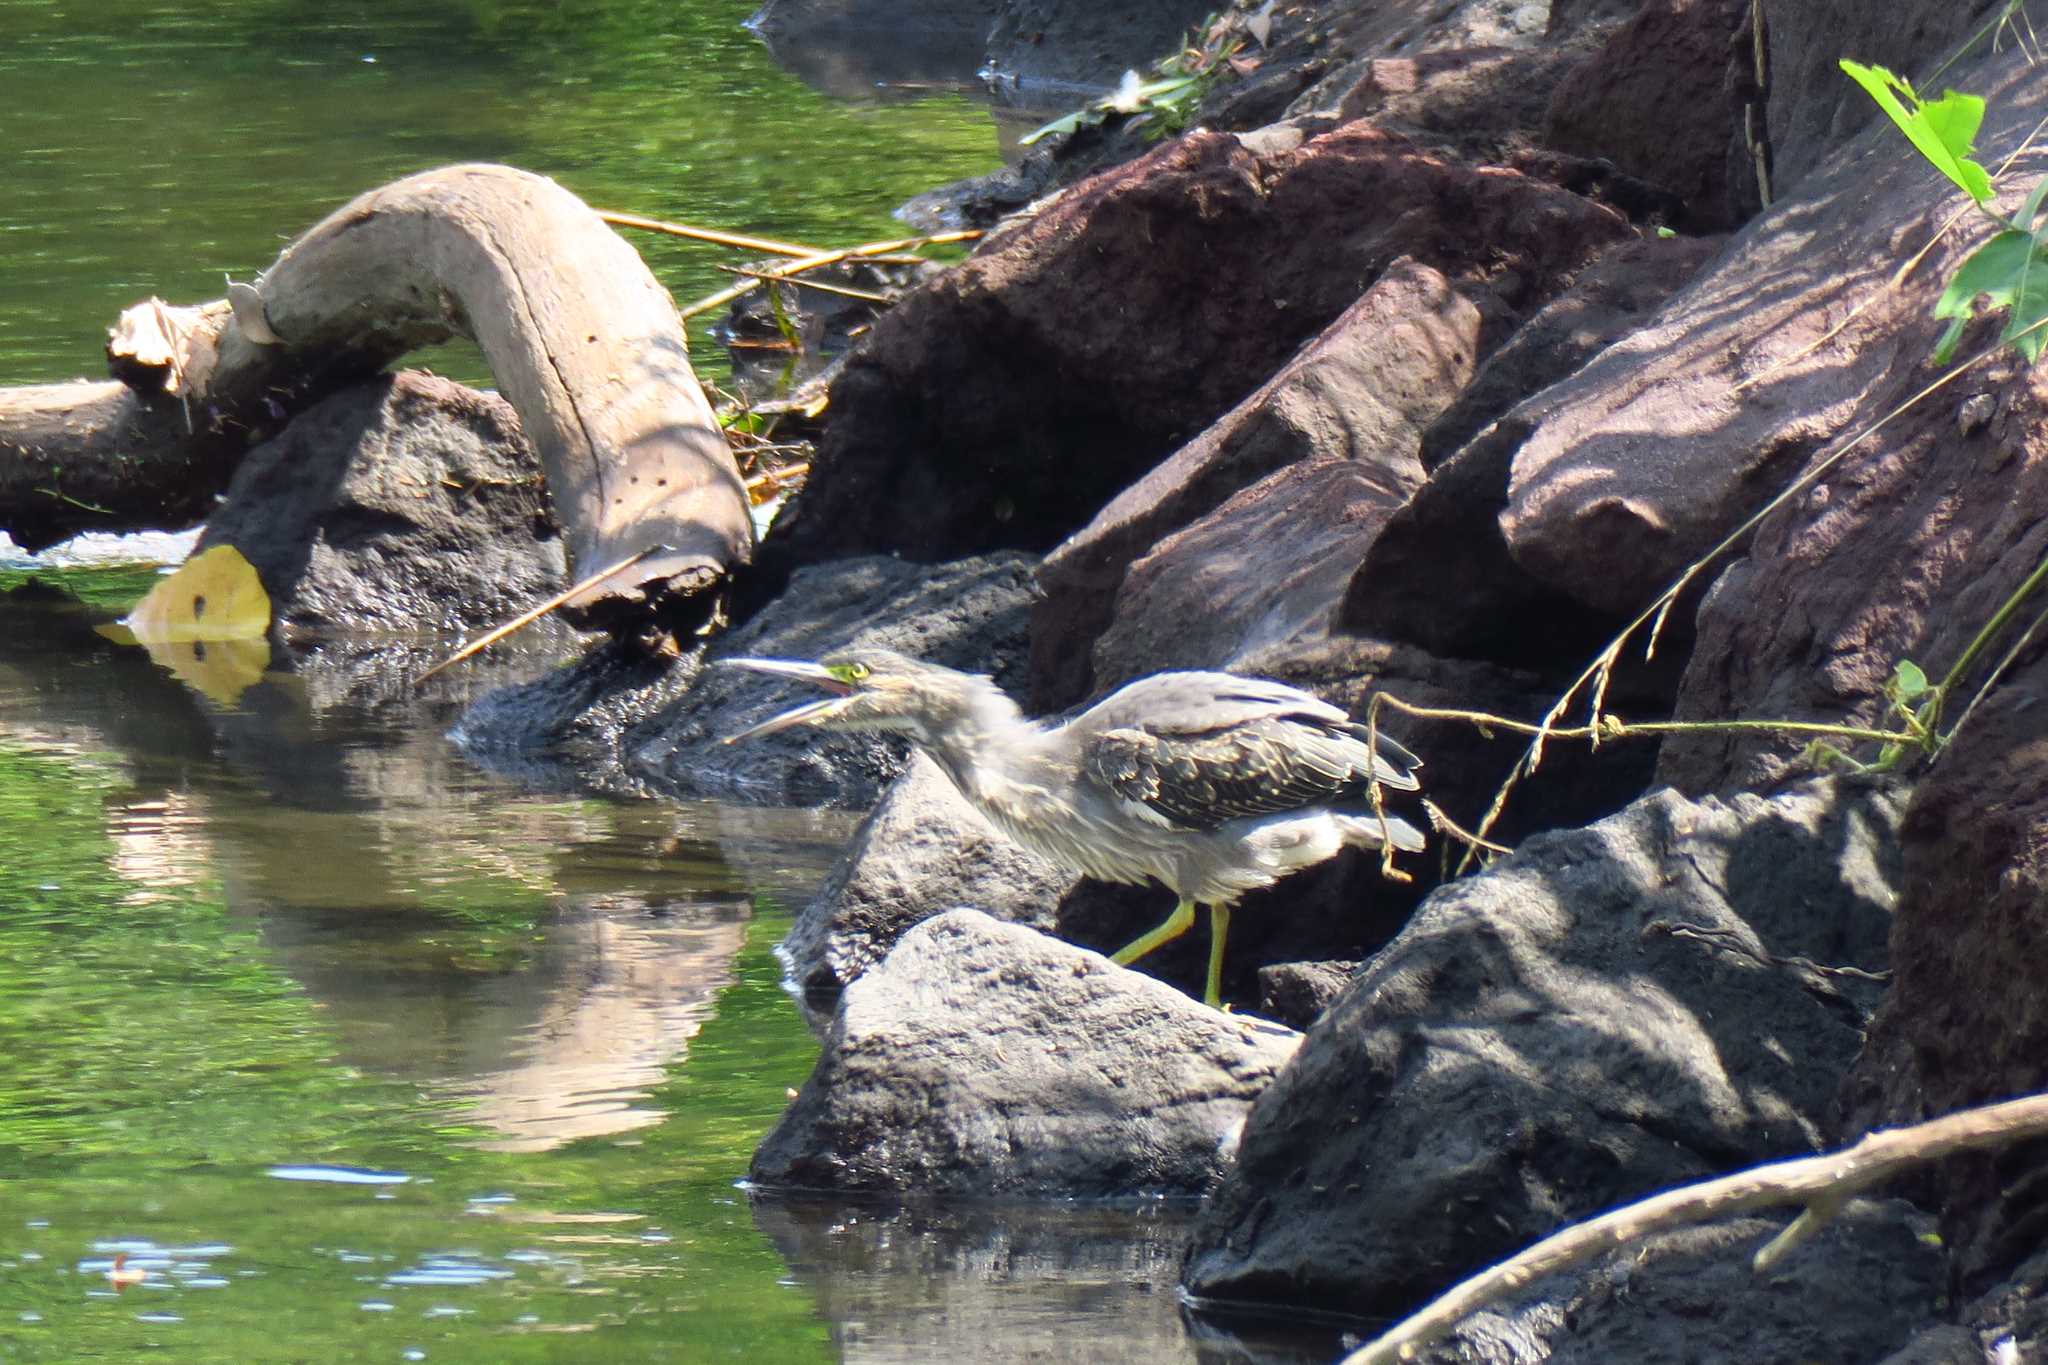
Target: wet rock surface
(985, 1059)
(405, 503)
(657, 726)
(970, 615)
(1610, 1012)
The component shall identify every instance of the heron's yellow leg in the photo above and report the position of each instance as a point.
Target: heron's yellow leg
(1219, 929)
(1177, 923)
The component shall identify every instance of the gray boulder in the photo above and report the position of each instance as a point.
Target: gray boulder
(405, 502)
(985, 1059)
(922, 851)
(1609, 1012)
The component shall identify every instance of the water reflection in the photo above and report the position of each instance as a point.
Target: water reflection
(991, 1283)
(543, 958)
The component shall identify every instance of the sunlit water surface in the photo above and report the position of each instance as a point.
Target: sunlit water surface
(317, 1042)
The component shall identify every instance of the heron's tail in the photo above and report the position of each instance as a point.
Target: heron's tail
(1365, 830)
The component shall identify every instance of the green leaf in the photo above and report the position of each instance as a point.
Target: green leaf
(2029, 210)
(2011, 271)
(1908, 681)
(1943, 131)
(1080, 118)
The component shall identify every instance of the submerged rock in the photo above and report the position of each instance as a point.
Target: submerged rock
(1609, 1012)
(985, 1059)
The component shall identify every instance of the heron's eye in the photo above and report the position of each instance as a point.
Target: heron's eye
(856, 672)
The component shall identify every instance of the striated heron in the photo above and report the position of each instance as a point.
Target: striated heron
(1210, 784)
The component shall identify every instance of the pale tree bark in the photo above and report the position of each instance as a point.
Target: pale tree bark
(581, 339)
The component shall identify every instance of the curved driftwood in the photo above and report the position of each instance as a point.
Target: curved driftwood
(581, 339)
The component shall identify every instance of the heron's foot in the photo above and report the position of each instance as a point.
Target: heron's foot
(1179, 922)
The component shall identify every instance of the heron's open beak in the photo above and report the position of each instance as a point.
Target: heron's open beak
(810, 713)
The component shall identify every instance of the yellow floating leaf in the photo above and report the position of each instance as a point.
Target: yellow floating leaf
(220, 670)
(213, 596)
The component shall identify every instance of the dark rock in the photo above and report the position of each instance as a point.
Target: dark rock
(1009, 400)
(1654, 102)
(1297, 993)
(851, 48)
(406, 502)
(1854, 1292)
(639, 724)
(2008, 1323)
(970, 615)
(985, 1059)
(1267, 567)
(1659, 447)
(1967, 1022)
(1081, 47)
(922, 851)
(1905, 547)
(1439, 574)
(1814, 108)
(1481, 102)
(1568, 17)
(1609, 1012)
(1357, 397)
(571, 723)
(1060, 159)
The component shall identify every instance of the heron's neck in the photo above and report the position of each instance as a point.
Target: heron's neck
(993, 754)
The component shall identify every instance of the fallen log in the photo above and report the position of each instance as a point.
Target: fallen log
(581, 339)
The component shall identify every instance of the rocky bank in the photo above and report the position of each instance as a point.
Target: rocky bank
(1445, 339)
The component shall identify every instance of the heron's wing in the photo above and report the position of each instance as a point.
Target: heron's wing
(1201, 779)
(1273, 747)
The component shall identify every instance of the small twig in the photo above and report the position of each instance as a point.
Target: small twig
(822, 286)
(820, 259)
(1442, 821)
(1604, 662)
(527, 618)
(1732, 941)
(711, 235)
(1821, 1183)
(1614, 727)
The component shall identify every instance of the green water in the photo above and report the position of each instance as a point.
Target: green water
(153, 146)
(351, 1049)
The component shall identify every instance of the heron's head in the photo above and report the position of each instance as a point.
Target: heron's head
(872, 689)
